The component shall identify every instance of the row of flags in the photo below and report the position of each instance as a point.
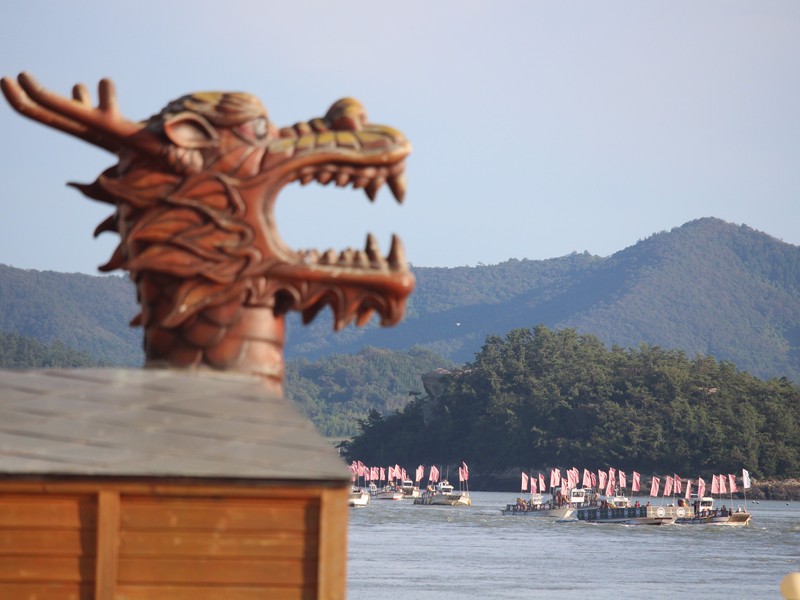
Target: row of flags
(608, 481)
(392, 473)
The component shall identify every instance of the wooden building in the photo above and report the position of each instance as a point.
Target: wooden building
(164, 484)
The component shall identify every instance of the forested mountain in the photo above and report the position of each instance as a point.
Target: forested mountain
(708, 287)
(83, 312)
(541, 398)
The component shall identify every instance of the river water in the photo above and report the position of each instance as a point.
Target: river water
(400, 550)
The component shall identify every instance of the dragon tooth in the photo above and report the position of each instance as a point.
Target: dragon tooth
(346, 256)
(324, 177)
(364, 315)
(328, 258)
(373, 251)
(360, 182)
(373, 186)
(397, 183)
(306, 178)
(361, 259)
(342, 179)
(397, 254)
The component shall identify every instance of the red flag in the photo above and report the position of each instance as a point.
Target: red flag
(722, 489)
(688, 488)
(542, 486)
(524, 482)
(434, 475)
(668, 486)
(678, 484)
(623, 481)
(533, 484)
(466, 470)
(732, 483)
(655, 482)
(594, 479)
(391, 473)
(701, 487)
(714, 485)
(383, 474)
(461, 473)
(612, 473)
(419, 474)
(635, 482)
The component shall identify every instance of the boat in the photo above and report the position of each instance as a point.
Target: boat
(389, 492)
(704, 513)
(562, 505)
(409, 489)
(358, 497)
(618, 509)
(443, 494)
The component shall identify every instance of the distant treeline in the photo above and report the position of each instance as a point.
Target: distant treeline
(541, 397)
(18, 352)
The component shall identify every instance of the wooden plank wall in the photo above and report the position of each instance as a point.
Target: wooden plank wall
(135, 545)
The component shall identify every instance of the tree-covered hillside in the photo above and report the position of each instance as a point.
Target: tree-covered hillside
(86, 313)
(18, 352)
(540, 397)
(336, 391)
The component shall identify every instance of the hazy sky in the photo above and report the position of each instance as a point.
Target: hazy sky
(539, 128)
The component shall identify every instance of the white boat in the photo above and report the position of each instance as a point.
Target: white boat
(618, 509)
(704, 513)
(358, 497)
(389, 492)
(443, 494)
(561, 506)
(409, 489)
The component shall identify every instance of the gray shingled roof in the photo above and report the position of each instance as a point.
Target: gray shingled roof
(156, 423)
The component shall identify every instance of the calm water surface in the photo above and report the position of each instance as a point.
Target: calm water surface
(399, 550)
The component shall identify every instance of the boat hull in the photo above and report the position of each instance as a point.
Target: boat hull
(736, 519)
(634, 515)
(358, 499)
(444, 500)
(563, 512)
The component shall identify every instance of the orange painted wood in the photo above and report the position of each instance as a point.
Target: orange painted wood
(46, 569)
(47, 542)
(64, 512)
(277, 544)
(107, 545)
(46, 591)
(212, 571)
(125, 592)
(332, 564)
(219, 514)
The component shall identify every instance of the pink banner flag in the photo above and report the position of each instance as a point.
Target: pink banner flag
(610, 487)
(701, 487)
(732, 483)
(555, 477)
(542, 486)
(668, 486)
(623, 481)
(461, 474)
(602, 477)
(612, 473)
(655, 483)
(688, 488)
(466, 470)
(587, 478)
(722, 489)
(745, 479)
(678, 484)
(714, 485)
(419, 474)
(635, 482)
(594, 479)
(433, 476)
(524, 482)
(391, 473)
(533, 485)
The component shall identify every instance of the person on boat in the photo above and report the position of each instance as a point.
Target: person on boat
(636, 504)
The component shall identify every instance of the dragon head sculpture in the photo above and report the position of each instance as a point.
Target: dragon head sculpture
(194, 191)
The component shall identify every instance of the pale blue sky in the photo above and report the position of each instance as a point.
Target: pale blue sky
(539, 128)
